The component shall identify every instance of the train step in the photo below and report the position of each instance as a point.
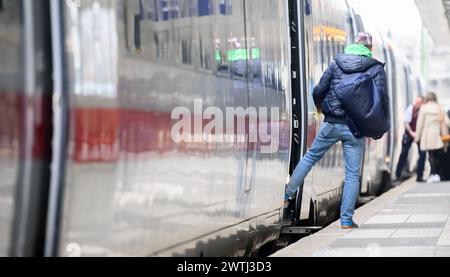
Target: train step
(365, 199)
(297, 230)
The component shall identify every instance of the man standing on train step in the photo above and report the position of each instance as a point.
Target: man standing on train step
(357, 59)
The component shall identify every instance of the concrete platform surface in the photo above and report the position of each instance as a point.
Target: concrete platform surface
(411, 220)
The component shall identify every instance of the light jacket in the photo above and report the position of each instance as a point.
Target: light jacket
(431, 127)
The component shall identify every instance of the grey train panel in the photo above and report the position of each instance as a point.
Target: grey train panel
(144, 194)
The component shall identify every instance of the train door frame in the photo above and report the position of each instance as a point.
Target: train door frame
(60, 131)
(393, 98)
(31, 188)
(391, 89)
(298, 87)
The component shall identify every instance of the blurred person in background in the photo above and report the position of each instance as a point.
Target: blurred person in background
(411, 117)
(430, 129)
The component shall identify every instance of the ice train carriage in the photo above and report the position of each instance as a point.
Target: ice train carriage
(114, 182)
(156, 197)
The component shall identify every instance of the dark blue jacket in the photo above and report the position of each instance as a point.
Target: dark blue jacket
(324, 93)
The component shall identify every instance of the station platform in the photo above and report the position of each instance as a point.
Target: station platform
(410, 220)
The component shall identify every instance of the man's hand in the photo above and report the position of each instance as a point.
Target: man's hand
(413, 134)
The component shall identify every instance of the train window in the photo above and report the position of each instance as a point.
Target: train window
(419, 87)
(225, 7)
(393, 69)
(133, 18)
(329, 50)
(307, 8)
(322, 52)
(162, 41)
(186, 47)
(407, 72)
(316, 50)
(351, 34)
(334, 47)
(205, 46)
(359, 22)
(151, 34)
(204, 8)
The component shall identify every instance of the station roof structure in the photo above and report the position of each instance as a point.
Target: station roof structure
(436, 18)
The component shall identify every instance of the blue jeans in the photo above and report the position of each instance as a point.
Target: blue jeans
(330, 134)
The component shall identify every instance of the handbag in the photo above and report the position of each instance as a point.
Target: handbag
(446, 139)
(444, 131)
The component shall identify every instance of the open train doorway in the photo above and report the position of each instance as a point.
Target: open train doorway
(297, 10)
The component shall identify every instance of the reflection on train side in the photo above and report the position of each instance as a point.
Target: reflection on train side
(234, 56)
(149, 184)
(239, 60)
(101, 133)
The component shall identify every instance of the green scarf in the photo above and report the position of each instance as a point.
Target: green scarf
(358, 49)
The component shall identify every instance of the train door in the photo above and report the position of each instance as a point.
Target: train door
(411, 94)
(298, 10)
(390, 69)
(401, 104)
(25, 125)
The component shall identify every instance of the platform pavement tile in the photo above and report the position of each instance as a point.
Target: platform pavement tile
(417, 220)
(442, 252)
(373, 250)
(347, 252)
(425, 195)
(444, 239)
(368, 234)
(383, 219)
(417, 233)
(433, 225)
(427, 218)
(385, 242)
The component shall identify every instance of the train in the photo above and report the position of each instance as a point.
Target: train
(88, 90)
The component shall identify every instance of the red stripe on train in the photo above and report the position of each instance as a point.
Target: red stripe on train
(100, 134)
